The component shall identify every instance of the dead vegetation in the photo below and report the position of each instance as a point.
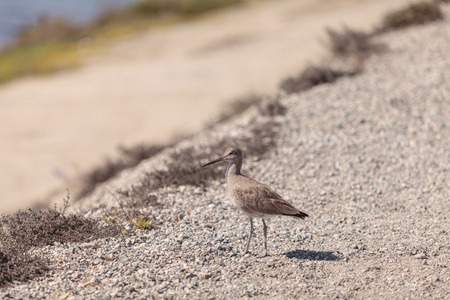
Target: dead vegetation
(128, 158)
(236, 107)
(22, 231)
(266, 105)
(312, 76)
(356, 46)
(18, 265)
(414, 14)
(352, 43)
(271, 107)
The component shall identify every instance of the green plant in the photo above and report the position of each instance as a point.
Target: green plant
(131, 211)
(193, 7)
(105, 217)
(141, 223)
(41, 58)
(52, 44)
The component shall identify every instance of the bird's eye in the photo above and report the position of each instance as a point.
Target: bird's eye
(232, 152)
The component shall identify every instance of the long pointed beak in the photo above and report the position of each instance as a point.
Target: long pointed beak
(213, 162)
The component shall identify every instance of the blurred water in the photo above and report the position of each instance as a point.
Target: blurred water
(15, 14)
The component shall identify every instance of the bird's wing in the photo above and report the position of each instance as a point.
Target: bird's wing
(258, 197)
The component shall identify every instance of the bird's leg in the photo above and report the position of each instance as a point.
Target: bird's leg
(250, 236)
(265, 238)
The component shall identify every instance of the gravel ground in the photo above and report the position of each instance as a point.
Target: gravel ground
(367, 158)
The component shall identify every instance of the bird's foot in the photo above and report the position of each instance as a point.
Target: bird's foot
(264, 254)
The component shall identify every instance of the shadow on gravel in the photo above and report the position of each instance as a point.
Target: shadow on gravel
(312, 255)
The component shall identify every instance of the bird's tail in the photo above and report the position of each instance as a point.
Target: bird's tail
(299, 214)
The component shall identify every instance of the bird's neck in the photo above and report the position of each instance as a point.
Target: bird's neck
(234, 168)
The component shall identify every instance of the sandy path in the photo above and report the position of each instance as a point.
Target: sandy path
(160, 83)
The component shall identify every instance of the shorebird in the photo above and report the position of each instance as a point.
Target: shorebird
(255, 199)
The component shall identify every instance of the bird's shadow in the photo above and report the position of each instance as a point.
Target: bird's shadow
(312, 255)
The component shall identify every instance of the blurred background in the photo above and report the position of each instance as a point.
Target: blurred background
(80, 78)
(17, 15)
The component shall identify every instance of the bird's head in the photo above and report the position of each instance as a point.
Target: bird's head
(232, 155)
